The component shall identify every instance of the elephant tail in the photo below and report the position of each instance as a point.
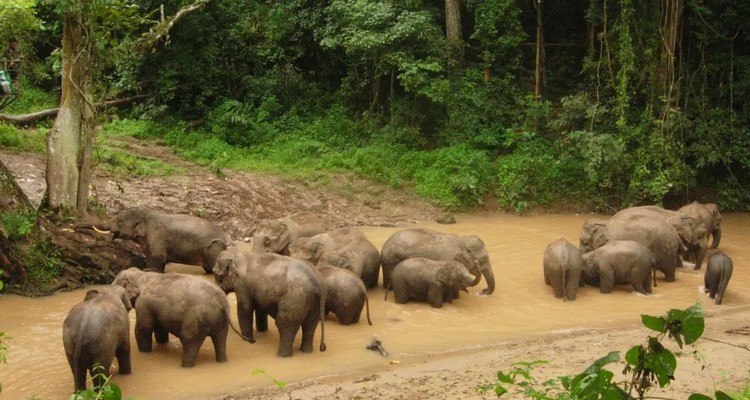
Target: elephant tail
(367, 300)
(323, 319)
(234, 328)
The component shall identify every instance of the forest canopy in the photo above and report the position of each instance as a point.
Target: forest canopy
(601, 103)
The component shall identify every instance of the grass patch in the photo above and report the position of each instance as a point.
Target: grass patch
(32, 99)
(43, 265)
(120, 163)
(12, 138)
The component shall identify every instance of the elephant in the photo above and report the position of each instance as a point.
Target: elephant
(346, 248)
(562, 268)
(619, 262)
(709, 214)
(166, 237)
(346, 294)
(186, 306)
(427, 243)
(275, 235)
(654, 233)
(289, 290)
(718, 272)
(691, 230)
(422, 279)
(95, 331)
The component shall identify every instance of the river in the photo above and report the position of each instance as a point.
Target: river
(521, 306)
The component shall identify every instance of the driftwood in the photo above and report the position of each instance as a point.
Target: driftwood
(27, 119)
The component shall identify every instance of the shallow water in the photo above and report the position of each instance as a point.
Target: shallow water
(522, 305)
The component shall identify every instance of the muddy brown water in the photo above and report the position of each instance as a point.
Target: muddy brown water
(521, 306)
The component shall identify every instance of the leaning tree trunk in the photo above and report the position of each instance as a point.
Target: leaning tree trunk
(69, 142)
(13, 205)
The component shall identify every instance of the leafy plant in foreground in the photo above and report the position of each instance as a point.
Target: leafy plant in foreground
(647, 365)
(108, 391)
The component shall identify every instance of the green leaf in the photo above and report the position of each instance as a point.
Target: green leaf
(633, 355)
(722, 396)
(654, 323)
(502, 377)
(663, 365)
(698, 396)
(612, 357)
(499, 390)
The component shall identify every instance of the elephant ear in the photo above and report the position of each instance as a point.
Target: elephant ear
(465, 258)
(225, 273)
(124, 297)
(443, 275)
(132, 291)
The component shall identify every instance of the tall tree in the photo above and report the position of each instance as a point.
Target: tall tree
(453, 31)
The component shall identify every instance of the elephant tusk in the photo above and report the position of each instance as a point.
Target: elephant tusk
(100, 231)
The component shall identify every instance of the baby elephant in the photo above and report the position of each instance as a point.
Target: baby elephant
(183, 305)
(562, 268)
(346, 295)
(435, 282)
(619, 262)
(717, 276)
(95, 331)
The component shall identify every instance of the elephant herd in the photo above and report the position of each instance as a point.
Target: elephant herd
(296, 273)
(633, 243)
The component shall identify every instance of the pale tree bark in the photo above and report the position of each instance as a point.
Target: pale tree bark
(453, 30)
(672, 11)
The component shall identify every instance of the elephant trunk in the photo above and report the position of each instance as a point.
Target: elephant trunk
(489, 277)
(716, 238)
(700, 254)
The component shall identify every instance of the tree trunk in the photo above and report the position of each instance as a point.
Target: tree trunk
(13, 202)
(540, 64)
(453, 31)
(672, 11)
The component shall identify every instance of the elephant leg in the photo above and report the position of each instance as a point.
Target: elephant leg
(245, 309)
(261, 320)
(79, 374)
(606, 278)
(190, 349)
(161, 335)
(557, 284)
(308, 331)
(640, 285)
(219, 339)
(287, 332)
(400, 291)
(123, 358)
(436, 294)
(156, 255)
(143, 331)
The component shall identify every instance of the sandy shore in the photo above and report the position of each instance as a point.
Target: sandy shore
(724, 350)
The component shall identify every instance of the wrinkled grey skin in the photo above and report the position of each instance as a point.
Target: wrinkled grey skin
(289, 290)
(619, 262)
(656, 234)
(427, 243)
(95, 331)
(436, 282)
(709, 214)
(691, 230)
(186, 306)
(346, 248)
(275, 235)
(562, 268)
(718, 272)
(346, 294)
(165, 237)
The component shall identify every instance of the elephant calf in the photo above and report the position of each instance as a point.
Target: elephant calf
(186, 306)
(435, 282)
(562, 268)
(619, 262)
(346, 296)
(95, 331)
(275, 235)
(717, 275)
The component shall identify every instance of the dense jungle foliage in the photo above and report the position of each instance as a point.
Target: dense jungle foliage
(603, 103)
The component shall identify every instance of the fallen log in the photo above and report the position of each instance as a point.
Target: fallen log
(31, 118)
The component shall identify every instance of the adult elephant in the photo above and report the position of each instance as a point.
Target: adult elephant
(346, 294)
(166, 237)
(289, 290)
(619, 262)
(94, 332)
(275, 235)
(427, 243)
(562, 268)
(346, 248)
(186, 306)
(708, 214)
(422, 279)
(691, 230)
(654, 233)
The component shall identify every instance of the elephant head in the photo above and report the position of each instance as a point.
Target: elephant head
(477, 261)
(307, 249)
(225, 270)
(456, 276)
(693, 235)
(271, 236)
(128, 224)
(593, 235)
(128, 283)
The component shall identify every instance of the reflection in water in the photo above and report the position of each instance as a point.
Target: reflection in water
(522, 305)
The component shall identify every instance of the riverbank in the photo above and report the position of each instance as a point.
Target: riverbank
(724, 351)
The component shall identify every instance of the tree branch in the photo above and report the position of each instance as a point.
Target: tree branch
(24, 119)
(161, 29)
